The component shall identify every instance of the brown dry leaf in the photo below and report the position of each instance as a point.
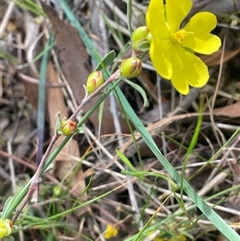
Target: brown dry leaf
(232, 110)
(74, 61)
(214, 59)
(64, 163)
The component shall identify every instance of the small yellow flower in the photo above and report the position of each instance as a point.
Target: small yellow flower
(5, 227)
(110, 232)
(172, 49)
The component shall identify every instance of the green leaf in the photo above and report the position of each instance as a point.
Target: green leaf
(6, 207)
(140, 90)
(5, 55)
(209, 212)
(106, 61)
(143, 46)
(100, 115)
(8, 238)
(80, 130)
(49, 167)
(126, 161)
(30, 6)
(58, 121)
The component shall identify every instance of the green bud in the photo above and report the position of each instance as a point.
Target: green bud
(94, 81)
(67, 127)
(149, 38)
(139, 39)
(57, 191)
(131, 67)
(6, 227)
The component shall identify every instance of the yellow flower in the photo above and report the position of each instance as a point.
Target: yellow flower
(110, 232)
(172, 48)
(5, 227)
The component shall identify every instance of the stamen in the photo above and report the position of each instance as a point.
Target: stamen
(180, 35)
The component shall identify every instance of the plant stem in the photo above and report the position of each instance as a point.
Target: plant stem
(36, 178)
(114, 76)
(28, 190)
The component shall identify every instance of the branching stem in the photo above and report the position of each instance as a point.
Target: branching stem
(36, 178)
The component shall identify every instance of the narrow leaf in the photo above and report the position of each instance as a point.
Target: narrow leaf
(140, 90)
(7, 204)
(106, 61)
(126, 161)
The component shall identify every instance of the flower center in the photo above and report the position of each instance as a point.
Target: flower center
(180, 35)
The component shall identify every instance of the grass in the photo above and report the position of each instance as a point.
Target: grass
(145, 198)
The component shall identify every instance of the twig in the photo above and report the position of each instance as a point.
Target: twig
(36, 178)
(6, 18)
(114, 76)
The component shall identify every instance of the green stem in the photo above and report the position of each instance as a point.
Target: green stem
(18, 199)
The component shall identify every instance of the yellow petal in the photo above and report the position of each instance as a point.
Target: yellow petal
(204, 44)
(202, 41)
(201, 23)
(110, 232)
(155, 19)
(176, 11)
(5, 227)
(161, 55)
(188, 69)
(179, 81)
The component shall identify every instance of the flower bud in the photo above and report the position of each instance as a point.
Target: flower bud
(57, 191)
(139, 39)
(94, 81)
(6, 227)
(67, 127)
(149, 38)
(131, 67)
